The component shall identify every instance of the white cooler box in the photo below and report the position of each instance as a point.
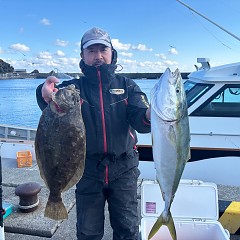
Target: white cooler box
(194, 210)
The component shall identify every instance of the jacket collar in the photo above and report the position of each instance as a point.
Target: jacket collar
(106, 71)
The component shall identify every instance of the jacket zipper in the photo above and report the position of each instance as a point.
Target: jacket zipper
(103, 123)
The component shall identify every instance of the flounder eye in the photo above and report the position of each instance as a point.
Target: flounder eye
(177, 90)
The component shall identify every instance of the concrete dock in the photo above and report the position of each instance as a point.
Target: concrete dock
(34, 226)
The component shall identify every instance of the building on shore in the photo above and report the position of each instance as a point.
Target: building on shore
(20, 71)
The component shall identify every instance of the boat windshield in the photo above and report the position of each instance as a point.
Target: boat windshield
(224, 103)
(195, 90)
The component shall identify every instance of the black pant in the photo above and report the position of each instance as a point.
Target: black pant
(121, 195)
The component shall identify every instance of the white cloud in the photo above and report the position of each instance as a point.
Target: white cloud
(170, 63)
(125, 54)
(160, 55)
(44, 55)
(60, 53)
(173, 51)
(19, 47)
(51, 64)
(120, 46)
(63, 60)
(78, 44)
(45, 62)
(74, 62)
(141, 47)
(61, 43)
(128, 61)
(45, 22)
(1, 50)
(146, 66)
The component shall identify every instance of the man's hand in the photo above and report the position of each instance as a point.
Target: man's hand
(49, 87)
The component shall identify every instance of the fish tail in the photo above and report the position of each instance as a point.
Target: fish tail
(55, 210)
(160, 221)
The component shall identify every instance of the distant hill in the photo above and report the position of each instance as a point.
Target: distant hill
(5, 67)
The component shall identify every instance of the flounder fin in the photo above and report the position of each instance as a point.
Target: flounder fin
(55, 210)
(159, 223)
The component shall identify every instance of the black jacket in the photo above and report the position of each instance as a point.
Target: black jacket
(113, 107)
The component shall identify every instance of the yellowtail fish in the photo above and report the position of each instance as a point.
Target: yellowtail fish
(170, 141)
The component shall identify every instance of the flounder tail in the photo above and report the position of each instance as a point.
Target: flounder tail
(55, 210)
(160, 221)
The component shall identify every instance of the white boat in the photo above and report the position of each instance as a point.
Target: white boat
(213, 96)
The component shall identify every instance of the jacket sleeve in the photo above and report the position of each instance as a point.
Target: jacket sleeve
(137, 107)
(40, 101)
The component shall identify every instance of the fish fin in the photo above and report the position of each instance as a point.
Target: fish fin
(171, 227)
(76, 177)
(159, 223)
(156, 227)
(55, 210)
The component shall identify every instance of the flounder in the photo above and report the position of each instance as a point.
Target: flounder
(60, 147)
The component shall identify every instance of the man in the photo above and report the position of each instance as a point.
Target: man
(113, 107)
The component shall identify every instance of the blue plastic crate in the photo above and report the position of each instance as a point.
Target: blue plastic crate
(8, 209)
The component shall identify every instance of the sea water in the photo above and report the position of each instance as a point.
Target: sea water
(18, 104)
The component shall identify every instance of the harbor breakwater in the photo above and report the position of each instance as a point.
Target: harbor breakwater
(77, 75)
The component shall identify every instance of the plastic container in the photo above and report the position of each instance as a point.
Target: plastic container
(8, 209)
(24, 159)
(194, 210)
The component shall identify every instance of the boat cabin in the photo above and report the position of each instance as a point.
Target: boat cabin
(213, 97)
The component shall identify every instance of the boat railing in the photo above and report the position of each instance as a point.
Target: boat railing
(17, 133)
(214, 134)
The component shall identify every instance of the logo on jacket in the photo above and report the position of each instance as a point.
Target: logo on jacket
(117, 91)
(144, 101)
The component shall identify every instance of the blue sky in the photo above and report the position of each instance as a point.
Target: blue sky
(149, 35)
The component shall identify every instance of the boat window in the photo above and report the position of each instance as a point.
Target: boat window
(224, 103)
(195, 90)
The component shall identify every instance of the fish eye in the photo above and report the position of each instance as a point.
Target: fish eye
(177, 90)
